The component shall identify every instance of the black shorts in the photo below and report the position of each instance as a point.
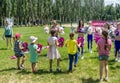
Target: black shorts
(8, 36)
(19, 54)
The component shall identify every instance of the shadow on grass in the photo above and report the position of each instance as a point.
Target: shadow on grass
(62, 72)
(62, 59)
(89, 80)
(8, 69)
(23, 72)
(114, 68)
(42, 55)
(3, 49)
(111, 62)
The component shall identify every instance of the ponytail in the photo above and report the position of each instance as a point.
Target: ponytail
(105, 47)
(105, 34)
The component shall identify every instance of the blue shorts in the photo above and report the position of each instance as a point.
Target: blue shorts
(103, 57)
(117, 45)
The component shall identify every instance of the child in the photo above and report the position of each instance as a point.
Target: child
(18, 51)
(80, 31)
(33, 48)
(8, 33)
(90, 31)
(104, 46)
(97, 34)
(53, 51)
(72, 51)
(117, 40)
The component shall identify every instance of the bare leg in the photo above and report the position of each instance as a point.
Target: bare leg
(7, 42)
(18, 62)
(10, 39)
(23, 60)
(33, 67)
(106, 69)
(101, 68)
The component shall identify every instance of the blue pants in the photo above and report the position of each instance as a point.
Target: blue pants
(89, 40)
(117, 47)
(71, 58)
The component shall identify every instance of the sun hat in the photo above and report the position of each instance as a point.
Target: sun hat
(17, 35)
(33, 39)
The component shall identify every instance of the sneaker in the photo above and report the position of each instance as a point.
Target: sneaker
(82, 57)
(22, 66)
(75, 65)
(119, 60)
(50, 70)
(106, 78)
(116, 59)
(101, 79)
(58, 70)
(70, 71)
(91, 51)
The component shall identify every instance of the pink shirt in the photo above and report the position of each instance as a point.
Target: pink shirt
(101, 44)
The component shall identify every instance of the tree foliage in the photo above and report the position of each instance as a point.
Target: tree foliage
(25, 11)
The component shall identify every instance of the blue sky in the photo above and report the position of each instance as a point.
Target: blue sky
(108, 2)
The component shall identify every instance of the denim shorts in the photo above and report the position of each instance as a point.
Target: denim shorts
(103, 57)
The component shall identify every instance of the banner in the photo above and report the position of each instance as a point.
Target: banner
(99, 23)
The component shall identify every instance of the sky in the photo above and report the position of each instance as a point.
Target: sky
(108, 2)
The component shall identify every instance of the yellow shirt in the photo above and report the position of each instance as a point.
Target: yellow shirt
(72, 46)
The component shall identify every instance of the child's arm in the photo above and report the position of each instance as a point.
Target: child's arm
(78, 45)
(21, 47)
(3, 36)
(56, 42)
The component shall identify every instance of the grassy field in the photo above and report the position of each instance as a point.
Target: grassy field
(87, 70)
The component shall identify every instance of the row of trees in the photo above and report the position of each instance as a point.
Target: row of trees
(25, 11)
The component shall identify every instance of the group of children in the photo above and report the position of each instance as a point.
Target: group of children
(74, 47)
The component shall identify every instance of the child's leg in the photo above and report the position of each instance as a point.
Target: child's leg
(106, 68)
(101, 68)
(50, 63)
(10, 40)
(7, 42)
(33, 67)
(88, 45)
(82, 50)
(23, 60)
(18, 62)
(91, 43)
(78, 51)
(116, 52)
(76, 59)
(58, 63)
(70, 62)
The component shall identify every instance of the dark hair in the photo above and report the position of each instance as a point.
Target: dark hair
(52, 32)
(81, 24)
(105, 34)
(108, 25)
(71, 35)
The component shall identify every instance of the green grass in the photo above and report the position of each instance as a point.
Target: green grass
(86, 72)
